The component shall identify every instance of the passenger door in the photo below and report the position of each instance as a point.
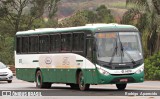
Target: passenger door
(89, 56)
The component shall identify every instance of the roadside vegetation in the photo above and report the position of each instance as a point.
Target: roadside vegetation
(145, 15)
(152, 67)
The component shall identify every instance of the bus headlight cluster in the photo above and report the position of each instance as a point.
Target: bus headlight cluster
(102, 71)
(140, 70)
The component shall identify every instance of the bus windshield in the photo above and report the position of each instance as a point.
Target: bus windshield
(118, 47)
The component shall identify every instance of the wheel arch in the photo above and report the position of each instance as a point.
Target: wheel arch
(77, 74)
(37, 69)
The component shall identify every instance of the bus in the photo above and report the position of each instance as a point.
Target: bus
(80, 56)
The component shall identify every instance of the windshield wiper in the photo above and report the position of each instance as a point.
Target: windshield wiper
(122, 52)
(129, 57)
(114, 52)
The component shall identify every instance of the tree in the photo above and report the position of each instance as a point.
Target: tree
(146, 17)
(80, 18)
(104, 15)
(152, 68)
(18, 13)
(156, 4)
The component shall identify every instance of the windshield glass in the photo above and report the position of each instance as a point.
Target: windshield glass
(2, 65)
(119, 47)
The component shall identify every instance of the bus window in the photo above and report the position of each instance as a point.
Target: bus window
(66, 42)
(44, 43)
(33, 44)
(25, 44)
(78, 42)
(18, 45)
(55, 43)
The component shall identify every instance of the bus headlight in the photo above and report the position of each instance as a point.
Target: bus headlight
(102, 71)
(140, 70)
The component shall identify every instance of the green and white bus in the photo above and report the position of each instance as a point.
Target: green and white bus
(80, 56)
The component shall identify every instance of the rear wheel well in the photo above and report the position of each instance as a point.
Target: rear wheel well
(38, 69)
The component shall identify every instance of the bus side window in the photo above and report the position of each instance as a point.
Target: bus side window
(55, 43)
(78, 42)
(89, 48)
(44, 43)
(66, 42)
(33, 44)
(18, 44)
(25, 44)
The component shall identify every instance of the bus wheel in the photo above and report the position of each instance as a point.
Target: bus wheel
(82, 85)
(121, 86)
(39, 82)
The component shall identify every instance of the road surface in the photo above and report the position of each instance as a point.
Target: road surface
(21, 89)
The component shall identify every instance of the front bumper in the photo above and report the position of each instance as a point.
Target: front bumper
(6, 78)
(118, 79)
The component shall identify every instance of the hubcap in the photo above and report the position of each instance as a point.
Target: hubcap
(82, 81)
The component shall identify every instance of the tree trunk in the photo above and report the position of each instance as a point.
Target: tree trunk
(156, 4)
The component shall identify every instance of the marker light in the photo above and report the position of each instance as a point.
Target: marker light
(102, 71)
(140, 70)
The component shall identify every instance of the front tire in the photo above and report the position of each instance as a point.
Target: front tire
(121, 86)
(81, 83)
(39, 81)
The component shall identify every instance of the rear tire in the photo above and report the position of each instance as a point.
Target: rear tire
(81, 82)
(121, 86)
(39, 81)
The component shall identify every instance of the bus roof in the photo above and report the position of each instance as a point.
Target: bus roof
(91, 27)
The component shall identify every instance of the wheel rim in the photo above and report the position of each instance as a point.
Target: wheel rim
(82, 81)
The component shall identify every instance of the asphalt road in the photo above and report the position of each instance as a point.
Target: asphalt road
(21, 89)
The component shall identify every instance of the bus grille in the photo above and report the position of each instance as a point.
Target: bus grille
(120, 67)
(121, 74)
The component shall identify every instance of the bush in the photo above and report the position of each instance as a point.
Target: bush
(152, 67)
(7, 50)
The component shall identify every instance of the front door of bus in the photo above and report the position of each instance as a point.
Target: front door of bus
(89, 54)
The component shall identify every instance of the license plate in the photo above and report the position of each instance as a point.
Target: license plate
(123, 80)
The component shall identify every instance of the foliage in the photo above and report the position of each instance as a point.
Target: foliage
(118, 5)
(69, 7)
(21, 15)
(152, 67)
(7, 50)
(104, 15)
(100, 15)
(144, 15)
(156, 4)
